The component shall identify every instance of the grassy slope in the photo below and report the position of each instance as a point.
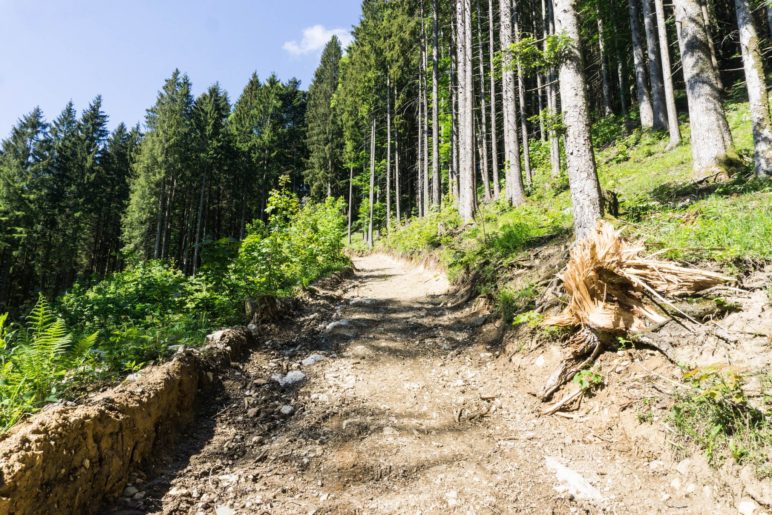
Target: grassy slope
(728, 223)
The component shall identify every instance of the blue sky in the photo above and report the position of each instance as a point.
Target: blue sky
(57, 50)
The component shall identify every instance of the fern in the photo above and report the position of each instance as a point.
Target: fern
(39, 358)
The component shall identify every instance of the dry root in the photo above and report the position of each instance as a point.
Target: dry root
(614, 290)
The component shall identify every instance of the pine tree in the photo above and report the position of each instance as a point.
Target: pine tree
(324, 136)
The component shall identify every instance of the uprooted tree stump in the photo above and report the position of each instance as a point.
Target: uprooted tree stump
(613, 290)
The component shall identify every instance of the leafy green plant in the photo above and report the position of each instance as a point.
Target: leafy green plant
(36, 360)
(716, 416)
(588, 380)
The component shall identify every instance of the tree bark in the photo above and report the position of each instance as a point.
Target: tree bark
(372, 183)
(397, 189)
(644, 100)
(655, 68)
(493, 120)
(713, 55)
(388, 153)
(667, 74)
(711, 140)
(436, 186)
(604, 69)
(521, 105)
(552, 91)
(350, 199)
(483, 112)
(515, 193)
(466, 201)
(757, 89)
(582, 176)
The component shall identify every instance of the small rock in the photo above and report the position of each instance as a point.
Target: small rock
(292, 377)
(252, 412)
(312, 360)
(683, 467)
(341, 327)
(129, 491)
(286, 410)
(360, 301)
(747, 507)
(138, 496)
(224, 510)
(86, 464)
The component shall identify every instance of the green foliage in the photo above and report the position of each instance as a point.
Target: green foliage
(35, 361)
(298, 245)
(588, 380)
(514, 302)
(717, 416)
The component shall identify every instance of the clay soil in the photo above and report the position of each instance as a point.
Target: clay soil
(416, 407)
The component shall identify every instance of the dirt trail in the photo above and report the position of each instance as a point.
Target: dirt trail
(411, 414)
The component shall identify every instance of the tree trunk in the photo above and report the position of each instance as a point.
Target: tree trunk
(493, 120)
(420, 151)
(372, 184)
(552, 92)
(757, 89)
(523, 115)
(483, 136)
(622, 89)
(604, 69)
(512, 172)
(582, 176)
(427, 180)
(436, 186)
(711, 140)
(644, 100)
(713, 55)
(655, 69)
(388, 154)
(199, 223)
(397, 189)
(350, 199)
(466, 201)
(667, 74)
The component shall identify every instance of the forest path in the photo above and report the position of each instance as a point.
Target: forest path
(408, 415)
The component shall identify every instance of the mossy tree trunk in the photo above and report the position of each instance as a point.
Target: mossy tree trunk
(757, 89)
(712, 144)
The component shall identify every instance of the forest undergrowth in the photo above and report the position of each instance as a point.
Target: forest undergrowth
(97, 333)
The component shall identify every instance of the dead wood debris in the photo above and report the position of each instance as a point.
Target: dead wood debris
(613, 289)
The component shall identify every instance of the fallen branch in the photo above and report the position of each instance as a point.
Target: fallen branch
(565, 401)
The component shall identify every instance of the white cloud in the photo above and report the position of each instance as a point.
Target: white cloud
(315, 38)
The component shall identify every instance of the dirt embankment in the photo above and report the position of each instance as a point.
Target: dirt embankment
(68, 458)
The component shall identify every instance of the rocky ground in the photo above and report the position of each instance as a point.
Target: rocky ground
(381, 397)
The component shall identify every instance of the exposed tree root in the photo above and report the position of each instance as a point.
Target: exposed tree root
(587, 346)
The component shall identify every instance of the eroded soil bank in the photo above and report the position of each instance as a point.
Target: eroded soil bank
(395, 402)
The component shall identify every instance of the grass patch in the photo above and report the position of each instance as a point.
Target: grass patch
(716, 416)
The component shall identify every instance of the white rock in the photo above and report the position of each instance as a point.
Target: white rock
(313, 359)
(747, 507)
(683, 466)
(341, 327)
(572, 482)
(287, 410)
(361, 301)
(224, 510)
(292, 377)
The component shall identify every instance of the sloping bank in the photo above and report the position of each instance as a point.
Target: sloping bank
(69, 458)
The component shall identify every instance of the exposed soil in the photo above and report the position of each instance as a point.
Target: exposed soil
(419, 407)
